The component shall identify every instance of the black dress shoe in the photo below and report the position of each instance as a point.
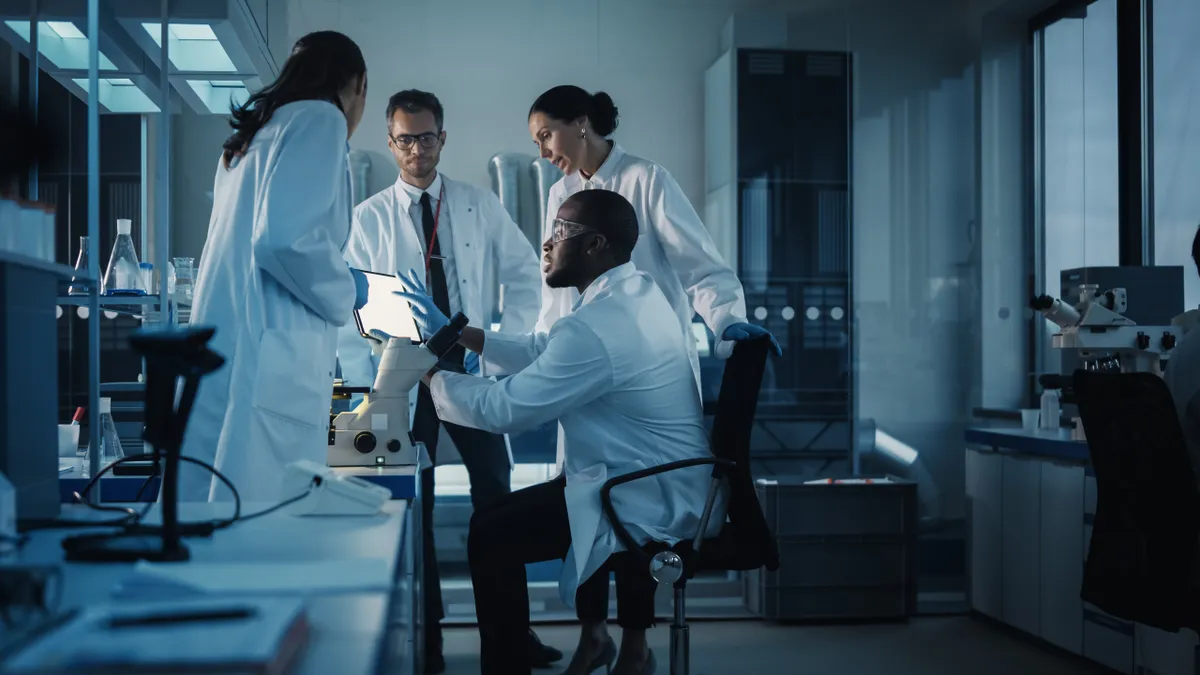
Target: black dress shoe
(435, 664)
(540, 655)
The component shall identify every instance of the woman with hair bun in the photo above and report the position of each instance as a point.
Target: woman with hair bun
(571, 128)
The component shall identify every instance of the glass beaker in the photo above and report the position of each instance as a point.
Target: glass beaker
(77, 286)
(184, 278)
(124, 274)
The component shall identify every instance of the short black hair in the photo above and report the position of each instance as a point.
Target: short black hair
(608, 213)
(414, 101)
(1196, 249)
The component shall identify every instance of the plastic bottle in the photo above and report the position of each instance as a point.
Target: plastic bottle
(184, 276)
(123, 275)
(147, 276)
(1051, 410)
(110, 443)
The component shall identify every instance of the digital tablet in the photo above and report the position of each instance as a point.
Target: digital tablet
(385, 311)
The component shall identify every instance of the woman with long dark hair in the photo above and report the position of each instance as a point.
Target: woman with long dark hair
(272, 280)
(571, 128)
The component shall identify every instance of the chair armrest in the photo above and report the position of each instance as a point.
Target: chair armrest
(719, 465)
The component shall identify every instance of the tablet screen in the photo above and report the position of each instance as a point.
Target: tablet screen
(384, 311)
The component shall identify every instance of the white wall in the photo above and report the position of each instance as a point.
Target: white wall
(487, 61)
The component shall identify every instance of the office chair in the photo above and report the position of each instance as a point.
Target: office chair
(744, 542)
(1143, 547)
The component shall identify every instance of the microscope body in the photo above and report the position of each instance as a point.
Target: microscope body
(376, 432)
(1097, 328)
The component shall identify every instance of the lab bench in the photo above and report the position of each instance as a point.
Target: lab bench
(1031, 499)
(401, 480)
(368, 629)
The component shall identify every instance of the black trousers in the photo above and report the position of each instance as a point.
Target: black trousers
(528, 526)
(634, 587)
(486, 459)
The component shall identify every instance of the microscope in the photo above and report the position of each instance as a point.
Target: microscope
(376, 432)
(1105, 338)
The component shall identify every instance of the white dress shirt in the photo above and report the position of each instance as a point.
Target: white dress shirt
(409, 198)
(617, 375)
(482, 246)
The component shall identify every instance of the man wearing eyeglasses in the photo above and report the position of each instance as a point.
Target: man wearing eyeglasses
(458, 237)
(616, 373)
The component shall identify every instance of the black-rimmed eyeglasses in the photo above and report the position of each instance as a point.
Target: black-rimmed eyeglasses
(427, 140)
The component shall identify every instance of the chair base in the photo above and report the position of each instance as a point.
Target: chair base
(679, 649)
(680, 634)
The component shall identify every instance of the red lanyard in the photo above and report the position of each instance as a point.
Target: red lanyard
(437, 216)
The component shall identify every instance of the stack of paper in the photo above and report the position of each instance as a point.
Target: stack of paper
(264, 635)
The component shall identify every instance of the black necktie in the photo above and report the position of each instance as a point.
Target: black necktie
(437, 273)
(437, 278)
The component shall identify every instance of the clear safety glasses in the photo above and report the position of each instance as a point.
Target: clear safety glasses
(565, 229)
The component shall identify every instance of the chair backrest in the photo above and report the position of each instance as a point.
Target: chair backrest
(1147, 506)
(745, 542)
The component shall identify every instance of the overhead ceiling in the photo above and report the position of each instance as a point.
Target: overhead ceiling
(216, 51)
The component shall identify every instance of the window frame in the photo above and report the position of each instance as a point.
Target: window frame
(1135, 135)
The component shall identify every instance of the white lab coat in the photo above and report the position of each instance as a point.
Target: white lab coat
(273, 282)
(673, 247)
(615, 373)
(483, 239)
(1182, 377)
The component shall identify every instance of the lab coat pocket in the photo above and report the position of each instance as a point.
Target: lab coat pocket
(289, 382)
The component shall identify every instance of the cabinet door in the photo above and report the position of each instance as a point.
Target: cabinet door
(1061, 569)
(1162, 653)
(984, 487)
(1020, 526)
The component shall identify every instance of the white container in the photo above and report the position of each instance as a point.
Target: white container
(8, 224)
(1051, 409)
(50, 232)
(30, 236)
(68, 440)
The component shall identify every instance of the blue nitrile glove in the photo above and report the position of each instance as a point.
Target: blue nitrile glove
(429, 318)
(378, 340)
(471, 362)
(360, 288)
(748, 331)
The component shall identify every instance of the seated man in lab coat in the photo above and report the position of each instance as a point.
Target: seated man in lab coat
(617, 375)
(1183, 374)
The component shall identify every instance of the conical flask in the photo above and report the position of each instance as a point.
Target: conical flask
(123, 275)
(79, 286)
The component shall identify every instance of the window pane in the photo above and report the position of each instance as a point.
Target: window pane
(1177, 138)
(1080, 185)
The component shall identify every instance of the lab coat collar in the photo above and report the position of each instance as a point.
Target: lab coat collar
(606, 172)
(609, 278)
(411, 194)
